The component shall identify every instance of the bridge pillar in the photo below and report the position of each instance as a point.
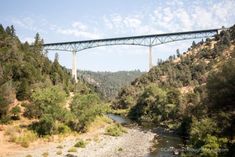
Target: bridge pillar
(74, 66)
(150, 57)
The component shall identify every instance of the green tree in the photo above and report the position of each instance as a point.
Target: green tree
(86, 108)
(177, 52)
(23, 92)
(221, 87)
(7, 96)
(149, 105)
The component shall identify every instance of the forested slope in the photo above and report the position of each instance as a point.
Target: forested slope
(109, 83)
(36, 90)
(192, 93)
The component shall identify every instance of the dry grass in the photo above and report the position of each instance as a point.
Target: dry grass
(99, 122)
(115, 130)
(20, 136)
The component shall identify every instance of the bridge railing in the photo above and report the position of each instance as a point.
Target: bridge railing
(145, 40)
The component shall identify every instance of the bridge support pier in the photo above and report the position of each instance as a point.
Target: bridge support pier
(150, 57)
(74, 66)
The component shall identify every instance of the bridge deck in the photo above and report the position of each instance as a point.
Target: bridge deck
(133, 37)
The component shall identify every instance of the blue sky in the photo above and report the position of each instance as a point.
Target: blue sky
(61, 20)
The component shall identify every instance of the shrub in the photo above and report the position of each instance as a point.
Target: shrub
(59, 152)
(200, 129)
(115, 130)
(23, 91)
(72, 149)
(15, 111)
(7, 96)
(80, 144)
(85, 108)
(46, 101)
(120, 149)
(62, 128)
(45, 154)
(212, 146)
(59, 147)
(21, 137)
(45, 126)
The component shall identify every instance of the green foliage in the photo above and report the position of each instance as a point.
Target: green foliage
(109, 83)
(85, 108)
(7, 96)
(62, 128)
(47, 104)
(15, 111)
(23, 91)
(46, 101)
(72, 149)
(45, 126)
(213, 146)
(203, 111)
(80, 144)
(200, 129)
(23, 69)
(221, 87)
(115, 130)
(156, 105)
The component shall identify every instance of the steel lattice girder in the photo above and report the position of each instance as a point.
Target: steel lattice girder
(145, 40)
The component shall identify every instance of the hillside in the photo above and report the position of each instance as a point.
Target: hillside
(109, 83)
(37, 96)
(192, 93)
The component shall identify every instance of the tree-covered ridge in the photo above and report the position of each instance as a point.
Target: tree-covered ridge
(184, 71)
(192, 93)
(109, 83)
(33, 87)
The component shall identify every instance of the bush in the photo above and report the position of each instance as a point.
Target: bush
(23, 91)
(46, 101)
(15, 111)
(72, 149)
(45, 154)
(212, 146)
(62, 128)
(80, 144)
(200, 129)
(7, 96)
(20, 136)
(85, 108)
(115, 130)
(46, 126)
(59, 152)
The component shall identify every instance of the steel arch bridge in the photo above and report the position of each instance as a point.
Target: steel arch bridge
(144, 40)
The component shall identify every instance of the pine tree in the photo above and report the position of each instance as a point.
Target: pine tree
(23, 91)
(178, 53)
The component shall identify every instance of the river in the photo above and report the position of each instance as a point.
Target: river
(167, 141)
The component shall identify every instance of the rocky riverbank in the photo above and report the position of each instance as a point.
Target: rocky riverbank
(134, 143)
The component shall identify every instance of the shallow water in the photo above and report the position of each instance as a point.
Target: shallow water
(165, 146)
(166, 140)
(119, 119)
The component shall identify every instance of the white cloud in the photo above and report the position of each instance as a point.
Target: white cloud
(175, 16)
(29, 24)
(80, 30)
(79, 26)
